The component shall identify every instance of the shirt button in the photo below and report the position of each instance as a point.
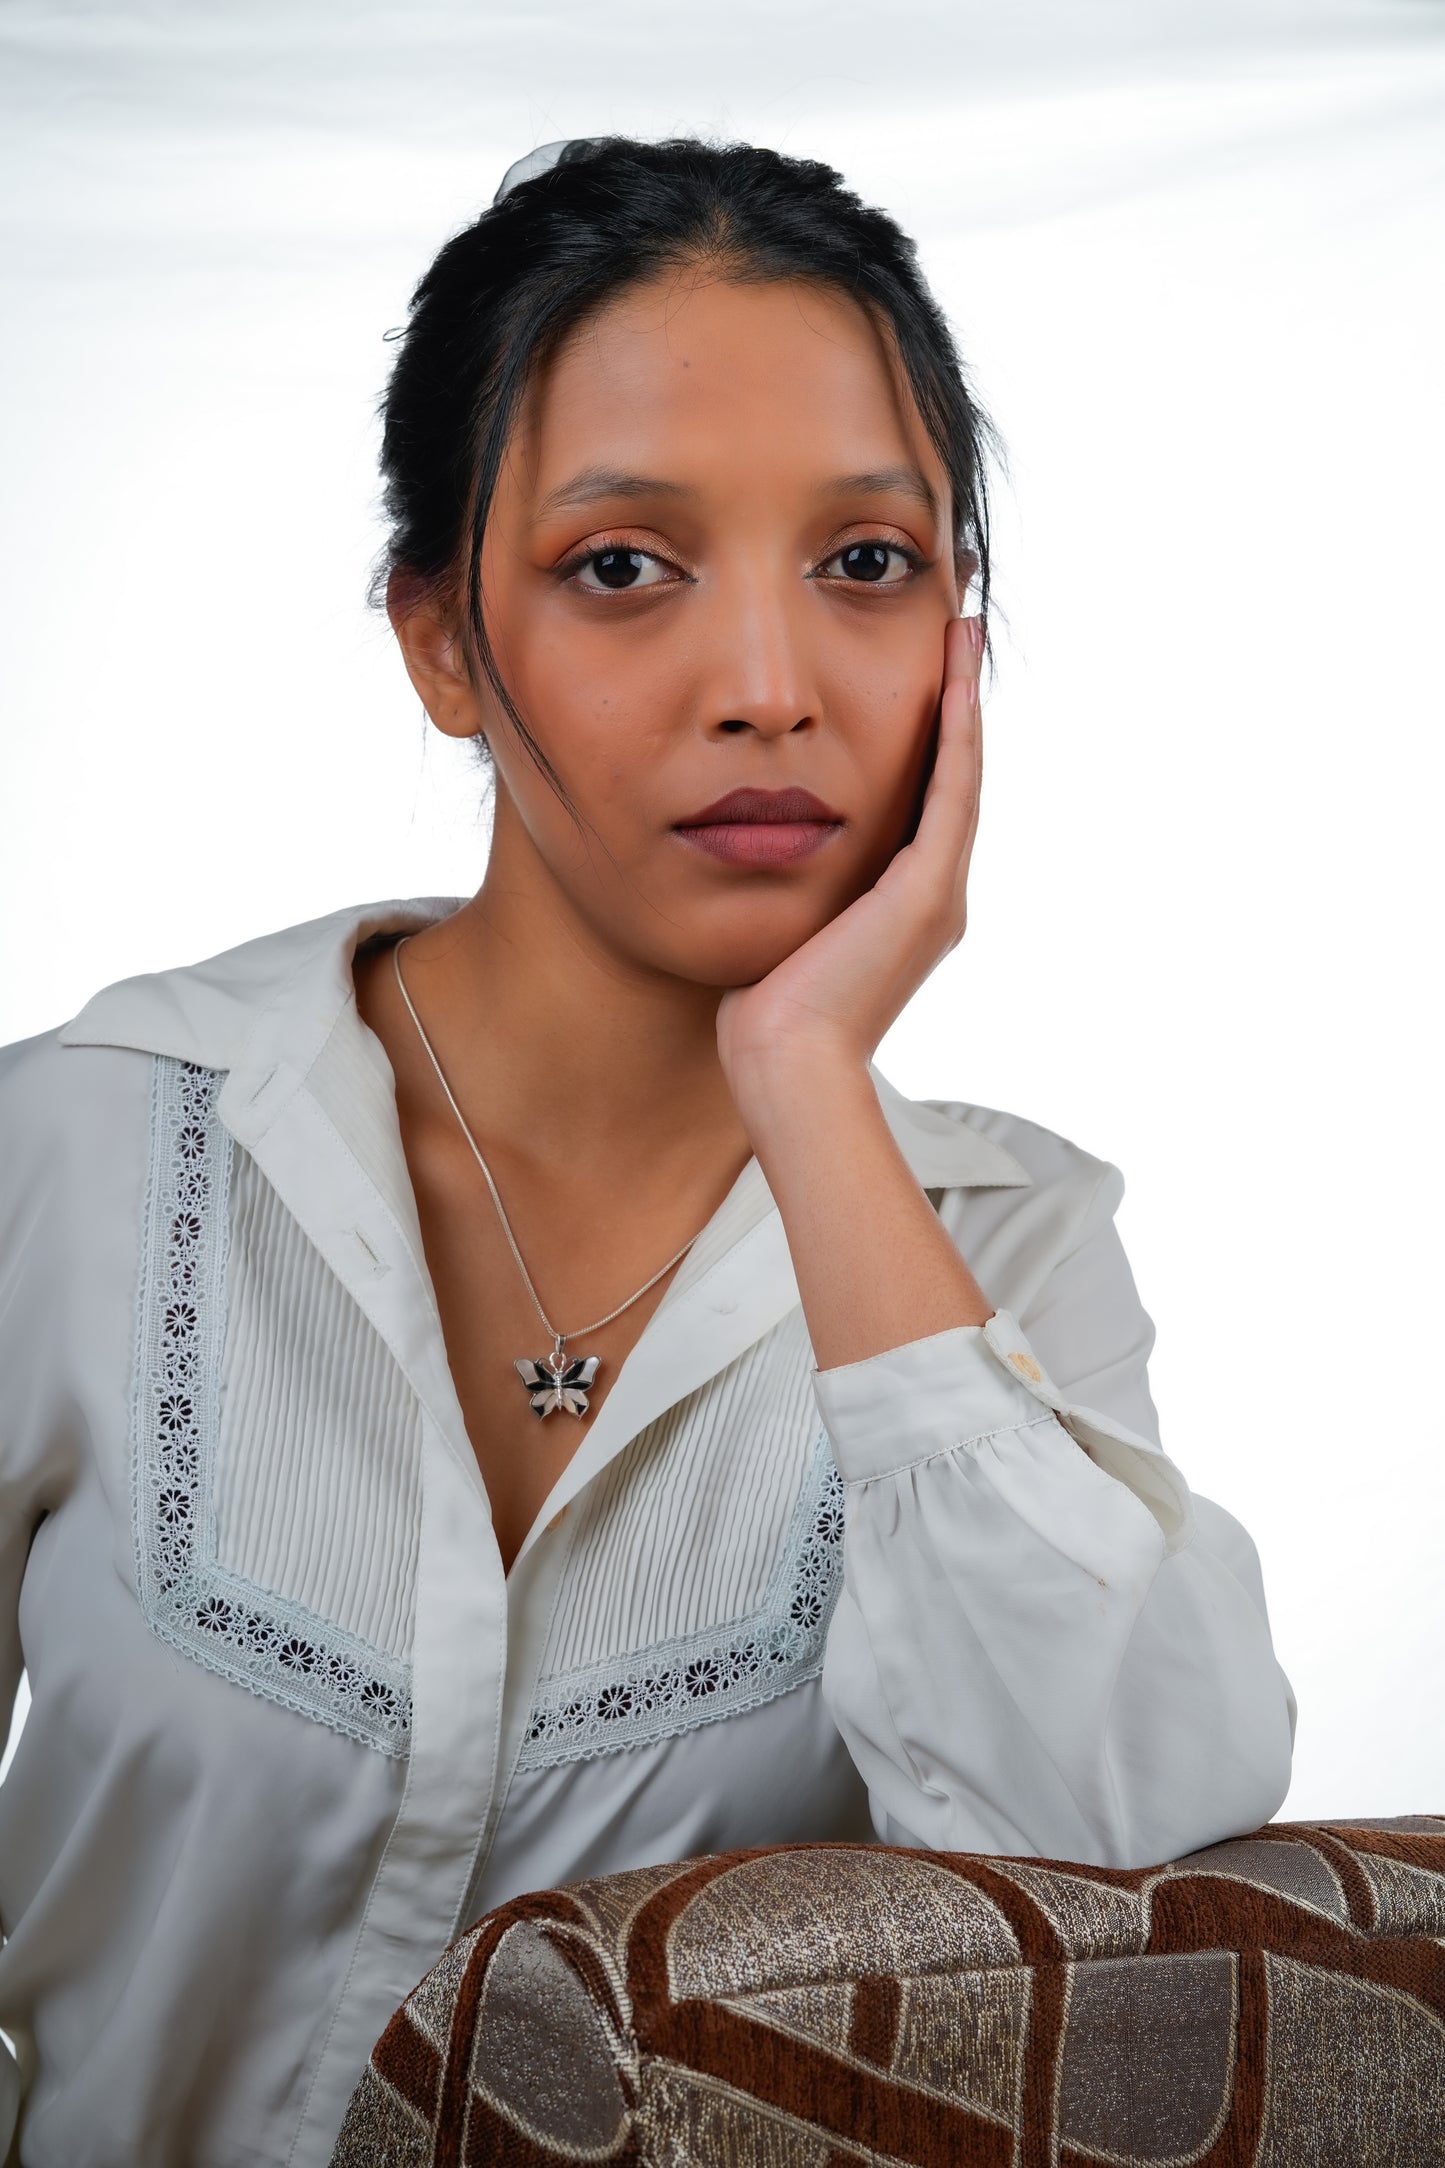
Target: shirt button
(1025, 1363)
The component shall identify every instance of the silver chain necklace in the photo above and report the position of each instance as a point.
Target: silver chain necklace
(557, 1384)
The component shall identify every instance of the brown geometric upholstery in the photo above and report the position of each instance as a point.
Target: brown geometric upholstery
(1274, 2002)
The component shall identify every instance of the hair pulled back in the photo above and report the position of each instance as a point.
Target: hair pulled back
(554, 249)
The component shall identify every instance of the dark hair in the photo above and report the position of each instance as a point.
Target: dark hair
(553, 249)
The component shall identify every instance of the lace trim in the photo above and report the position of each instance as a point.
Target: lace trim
(248, 1634)
(719, 1671)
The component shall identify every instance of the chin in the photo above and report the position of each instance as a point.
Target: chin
(715, 958)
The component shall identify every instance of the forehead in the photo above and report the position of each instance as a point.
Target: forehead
(708, 379)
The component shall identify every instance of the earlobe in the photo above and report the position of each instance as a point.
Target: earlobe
(433, 654)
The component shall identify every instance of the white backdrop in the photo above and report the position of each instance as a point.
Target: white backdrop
(1194, 257)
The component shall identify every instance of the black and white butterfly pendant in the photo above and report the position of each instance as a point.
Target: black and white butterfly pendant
(557, 1385)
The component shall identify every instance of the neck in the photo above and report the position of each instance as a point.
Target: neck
(556, 1047)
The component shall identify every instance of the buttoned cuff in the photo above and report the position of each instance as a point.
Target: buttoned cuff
(950, 1390)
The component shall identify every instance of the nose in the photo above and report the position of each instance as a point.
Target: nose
(759, 667)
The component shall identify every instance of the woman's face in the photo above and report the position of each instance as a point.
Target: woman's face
(719, 559)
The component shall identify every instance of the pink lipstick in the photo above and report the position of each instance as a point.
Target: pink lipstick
(761, 828)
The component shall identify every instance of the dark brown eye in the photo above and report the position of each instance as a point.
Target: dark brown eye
(865, 561)
(878, 564)
(617, 569)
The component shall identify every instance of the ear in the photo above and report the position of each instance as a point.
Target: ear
(426, 629)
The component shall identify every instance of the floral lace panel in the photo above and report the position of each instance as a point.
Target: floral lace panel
(249, 1634)
(719, 1671)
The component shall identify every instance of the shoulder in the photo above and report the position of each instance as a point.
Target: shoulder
(204, 1011)
(77, 1098)
(46, 1087)
(80, 1092)
(1047, 1249)
(959, 1144)
(63, 1110)
(1050, 1159)
(208, 1012)
(1017, 1226)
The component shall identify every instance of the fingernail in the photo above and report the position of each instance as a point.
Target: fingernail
(975, 636)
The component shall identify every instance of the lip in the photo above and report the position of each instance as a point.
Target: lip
(751, 804)
(751, 827)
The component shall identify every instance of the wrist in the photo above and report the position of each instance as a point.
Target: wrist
(793, 1091)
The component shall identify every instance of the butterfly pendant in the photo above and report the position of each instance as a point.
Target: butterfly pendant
(557, 1386)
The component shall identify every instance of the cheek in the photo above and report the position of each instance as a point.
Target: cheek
(886, 717)
(887, 708)
(604, 709)
(606, 719)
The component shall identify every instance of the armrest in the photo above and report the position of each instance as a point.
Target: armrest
(1281, 1995)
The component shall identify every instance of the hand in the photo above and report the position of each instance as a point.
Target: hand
(835, 996)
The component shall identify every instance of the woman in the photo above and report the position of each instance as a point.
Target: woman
(499, 1389)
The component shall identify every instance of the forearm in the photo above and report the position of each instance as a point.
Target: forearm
(874, 1266)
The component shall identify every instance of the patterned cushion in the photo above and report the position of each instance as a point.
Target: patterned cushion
(1273, 2002)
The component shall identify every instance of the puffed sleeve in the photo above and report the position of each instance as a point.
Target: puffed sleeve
(1044, 1642)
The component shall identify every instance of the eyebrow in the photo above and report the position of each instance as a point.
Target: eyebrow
(591, 484)
(886, 482)
(594, 482)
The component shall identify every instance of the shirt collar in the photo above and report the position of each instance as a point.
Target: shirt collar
(278, 999)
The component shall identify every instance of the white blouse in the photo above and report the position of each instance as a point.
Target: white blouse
(292, 1727)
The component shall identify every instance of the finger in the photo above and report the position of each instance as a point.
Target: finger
(950, 806)
(961, 654)
(961, 648)
(980, 637)
(943, 846)
(963, 661)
